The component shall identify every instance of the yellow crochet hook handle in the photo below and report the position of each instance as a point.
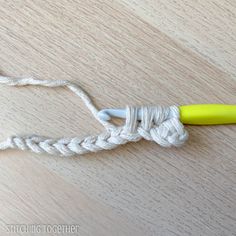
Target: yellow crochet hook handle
(208, 114)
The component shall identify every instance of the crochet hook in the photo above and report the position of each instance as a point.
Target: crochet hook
(196, 114)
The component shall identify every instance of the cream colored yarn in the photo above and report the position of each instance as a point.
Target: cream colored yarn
(158, 124)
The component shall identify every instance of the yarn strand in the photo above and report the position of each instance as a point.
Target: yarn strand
(158, 124)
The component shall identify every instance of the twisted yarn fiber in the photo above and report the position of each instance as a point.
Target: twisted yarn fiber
(158, 124)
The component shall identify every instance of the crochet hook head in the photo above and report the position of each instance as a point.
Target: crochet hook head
(107, 114)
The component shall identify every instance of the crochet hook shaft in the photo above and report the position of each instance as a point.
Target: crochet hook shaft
(197, 114)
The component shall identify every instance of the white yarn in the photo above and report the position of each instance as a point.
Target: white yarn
(158, 124)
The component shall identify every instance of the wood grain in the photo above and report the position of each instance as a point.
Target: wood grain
(51, 200)
(121, 52)
(207, 28)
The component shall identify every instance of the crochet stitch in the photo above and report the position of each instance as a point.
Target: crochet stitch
(159, 124)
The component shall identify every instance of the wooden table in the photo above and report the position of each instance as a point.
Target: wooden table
(122, 52)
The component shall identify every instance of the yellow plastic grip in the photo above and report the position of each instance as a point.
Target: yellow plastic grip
(208, 114)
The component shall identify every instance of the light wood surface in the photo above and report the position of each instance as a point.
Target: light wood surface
(121, 52)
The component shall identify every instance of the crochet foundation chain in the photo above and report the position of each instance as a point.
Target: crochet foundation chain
(158, 124)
